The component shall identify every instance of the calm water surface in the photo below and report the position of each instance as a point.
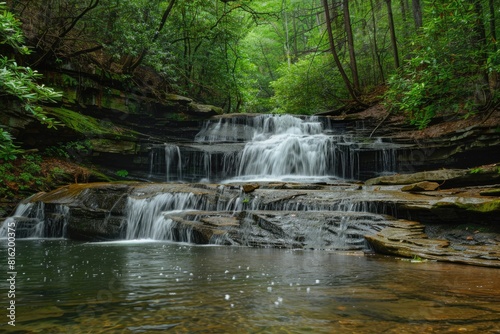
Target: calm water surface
(154, 287)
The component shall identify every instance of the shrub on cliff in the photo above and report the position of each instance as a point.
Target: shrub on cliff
(19, 82)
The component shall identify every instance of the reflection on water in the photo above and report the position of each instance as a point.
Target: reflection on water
(155, 287)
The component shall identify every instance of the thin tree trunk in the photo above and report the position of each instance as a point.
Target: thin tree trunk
(494, 82)
(334, 52)
(493, 28)
(481, 36)
(394, 41)
(417, 13)
(375, 43)
(350, 43)
(287, 45)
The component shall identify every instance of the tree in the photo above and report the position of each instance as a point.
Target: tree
(392, 31)
(19, 82)
(333, 50)
(417, 13)
(350, 43)
(445, 74)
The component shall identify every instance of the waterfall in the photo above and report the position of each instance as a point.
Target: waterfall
(173, 164)
(32, 221)
(147, 218)
(274, 147)
(166, 160)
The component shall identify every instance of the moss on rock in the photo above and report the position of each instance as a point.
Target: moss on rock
(88, 125)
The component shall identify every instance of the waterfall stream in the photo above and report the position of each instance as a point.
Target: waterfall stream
(274, 147)
(231, 151)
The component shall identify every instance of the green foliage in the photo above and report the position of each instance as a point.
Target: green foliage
(8, 150)
(308, 86)
(256, 56)
(476, 170)
(23, 176)
(10, 30)
(73, 150)
(122, 173)
(445, 72)
(20, 82)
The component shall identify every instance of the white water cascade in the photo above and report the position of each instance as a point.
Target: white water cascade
(238, 149)
(30, 221)
(147, 218)
(277, 148)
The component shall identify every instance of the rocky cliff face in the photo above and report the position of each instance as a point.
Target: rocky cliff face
(121, 127)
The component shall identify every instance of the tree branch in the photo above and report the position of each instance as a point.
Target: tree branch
(60, 37)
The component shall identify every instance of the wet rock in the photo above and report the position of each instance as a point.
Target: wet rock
(408, 240)
(447, 178)
(204, 109)
(434, 176)
(334, 217)
(248, 188)
(491, 192)
(421, 186)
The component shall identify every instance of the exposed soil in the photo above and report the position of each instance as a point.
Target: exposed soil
(440, 127)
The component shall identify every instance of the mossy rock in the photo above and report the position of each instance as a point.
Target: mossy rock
(88, 125)
(484, 207)
(487, 213)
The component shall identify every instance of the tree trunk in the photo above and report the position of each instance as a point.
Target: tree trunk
(494, 82)
(493, 28)
(334, 51)
(417, 13)
(375, 43)
(394, 41)
(350, 43)
(287, 40)
(481, 42)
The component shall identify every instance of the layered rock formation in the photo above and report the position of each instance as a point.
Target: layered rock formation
(446, 225)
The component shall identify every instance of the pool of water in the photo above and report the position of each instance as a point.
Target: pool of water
(154, 287)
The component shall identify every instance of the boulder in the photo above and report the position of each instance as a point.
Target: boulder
(447, 178)
(207, 109)
(421, 186)
(248, 188)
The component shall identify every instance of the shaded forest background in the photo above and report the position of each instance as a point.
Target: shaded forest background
(293, 56)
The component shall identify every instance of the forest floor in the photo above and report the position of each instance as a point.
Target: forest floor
(438, 128)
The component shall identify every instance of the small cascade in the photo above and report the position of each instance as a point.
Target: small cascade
(19, 223)
(147, 218)
(31, 220)
(166, 160)
(231, 129)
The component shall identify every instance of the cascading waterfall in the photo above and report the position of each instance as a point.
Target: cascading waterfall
(147, 218)
(273, 147)
(263, 147)
(243, 148)
(31, 221)
(166, 160)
